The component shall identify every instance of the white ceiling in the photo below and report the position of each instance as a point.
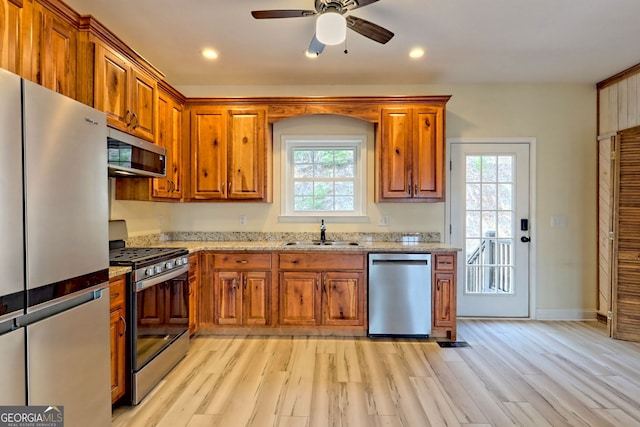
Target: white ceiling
(466, 41)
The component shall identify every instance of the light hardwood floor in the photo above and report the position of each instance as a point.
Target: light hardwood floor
(522, 373)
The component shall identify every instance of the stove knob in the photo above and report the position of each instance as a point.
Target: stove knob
(185, 260)
(178, 261)
(169, 265)
(158, 269)
(149, 272)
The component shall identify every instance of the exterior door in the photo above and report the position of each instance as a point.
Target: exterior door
(489, 218)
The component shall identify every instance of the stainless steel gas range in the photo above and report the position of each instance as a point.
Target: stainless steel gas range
(157, 312)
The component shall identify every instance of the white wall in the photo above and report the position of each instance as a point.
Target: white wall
(562, 118)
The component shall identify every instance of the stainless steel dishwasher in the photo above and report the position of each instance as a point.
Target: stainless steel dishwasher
(399, 294)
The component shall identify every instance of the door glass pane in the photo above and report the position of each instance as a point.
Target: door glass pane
(490, 224)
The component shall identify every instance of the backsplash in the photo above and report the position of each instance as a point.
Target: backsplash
(239, 236)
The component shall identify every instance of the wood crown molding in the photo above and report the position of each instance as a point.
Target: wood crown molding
(362, 107)
(98, 31)
(618, 77)
(18, 3)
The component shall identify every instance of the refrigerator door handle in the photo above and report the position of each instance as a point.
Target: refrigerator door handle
(57, 306)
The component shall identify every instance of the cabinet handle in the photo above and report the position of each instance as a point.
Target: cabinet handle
(427, 122)
(415, 189)
(438, 287)
(244, 283)
(130, 118)
(116, 295)
(242, 261)
(229, 187)
(124, 326)
(135, 116)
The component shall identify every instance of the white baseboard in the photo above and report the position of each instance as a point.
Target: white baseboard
(561, 314)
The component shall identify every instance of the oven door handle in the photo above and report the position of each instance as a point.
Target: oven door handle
(147, 283)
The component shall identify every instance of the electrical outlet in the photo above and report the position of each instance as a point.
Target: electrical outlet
(243, 219)
(384, 220)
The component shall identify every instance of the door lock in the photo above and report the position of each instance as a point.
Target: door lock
(525, 239)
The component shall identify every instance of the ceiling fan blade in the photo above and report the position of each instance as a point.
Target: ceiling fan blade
(286, 13)
(369, 29)
(315, 46)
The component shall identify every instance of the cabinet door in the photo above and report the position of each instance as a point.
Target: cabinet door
(143, 105)
(209, 154)
(169, 136)
(58, 53)
(257, 301)
(194, 293)
(12, 20)
(444, 300)
(177, 302)
(343, 303)
(246, 155)
(395, 153)
(228, 290)
(118, 342)
(206, 295)
(299, 298)
(428, 155)
(111, 87)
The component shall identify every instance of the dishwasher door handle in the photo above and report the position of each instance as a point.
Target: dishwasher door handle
(400, 262)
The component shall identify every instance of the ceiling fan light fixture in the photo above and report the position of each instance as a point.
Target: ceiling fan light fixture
(331, 28)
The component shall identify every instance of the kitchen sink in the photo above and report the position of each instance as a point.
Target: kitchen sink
(320, 243)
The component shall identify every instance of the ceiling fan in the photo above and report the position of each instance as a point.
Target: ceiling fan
(331, 24)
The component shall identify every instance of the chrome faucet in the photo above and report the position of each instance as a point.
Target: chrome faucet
(323, 229)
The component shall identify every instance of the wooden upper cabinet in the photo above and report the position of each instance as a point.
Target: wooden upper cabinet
(229, 153)
(125, 93)
(13, 17)
(58, 56)
(411, 154)
(209, 154)
(247, 135)
(169, 136)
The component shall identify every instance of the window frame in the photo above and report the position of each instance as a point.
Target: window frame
(292, 142)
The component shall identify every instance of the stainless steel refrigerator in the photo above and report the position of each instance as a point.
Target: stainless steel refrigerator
(54, 258)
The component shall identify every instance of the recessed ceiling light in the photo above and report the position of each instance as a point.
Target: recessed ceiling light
(210, 54)
(416, 52)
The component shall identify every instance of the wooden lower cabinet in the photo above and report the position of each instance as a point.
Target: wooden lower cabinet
(194, 292)
(300, 298)
(235, 289)
(303, 292)
(322, 290)
(118, 327)
(242, 297)
(444, 294)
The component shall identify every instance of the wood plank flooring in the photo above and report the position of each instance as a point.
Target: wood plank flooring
(516, 373)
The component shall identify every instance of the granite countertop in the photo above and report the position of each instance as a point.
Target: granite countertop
(419, 247)
(201, 243)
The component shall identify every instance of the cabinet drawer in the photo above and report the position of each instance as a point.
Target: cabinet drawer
(321, 261)
(117, 289)
(240, 261)
(445, 262)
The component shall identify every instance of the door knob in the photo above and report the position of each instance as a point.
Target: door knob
(525, 239)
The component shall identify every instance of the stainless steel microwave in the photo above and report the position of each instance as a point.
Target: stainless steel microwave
(130, 156)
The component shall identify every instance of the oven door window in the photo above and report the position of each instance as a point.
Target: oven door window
(162, 315)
